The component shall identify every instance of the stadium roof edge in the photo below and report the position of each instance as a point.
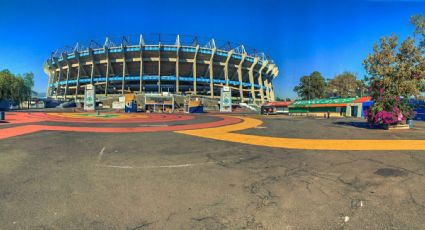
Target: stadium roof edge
(162, 39)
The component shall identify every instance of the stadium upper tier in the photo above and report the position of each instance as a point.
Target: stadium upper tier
(154, 66)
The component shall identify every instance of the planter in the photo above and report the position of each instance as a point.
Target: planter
(397, 127)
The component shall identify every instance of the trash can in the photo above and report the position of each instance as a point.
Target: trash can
(2, 116)
(410, 123)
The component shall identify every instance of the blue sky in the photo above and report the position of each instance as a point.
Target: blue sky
(300, 36)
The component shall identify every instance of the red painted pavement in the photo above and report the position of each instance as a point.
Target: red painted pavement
(26, 129)
(23, 117)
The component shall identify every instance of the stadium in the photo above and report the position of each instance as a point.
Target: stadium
(157, 63)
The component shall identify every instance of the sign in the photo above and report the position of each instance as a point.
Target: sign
(226, 100)
(90, 98)
(129, 97)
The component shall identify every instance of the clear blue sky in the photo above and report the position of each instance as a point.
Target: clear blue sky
(301, 36)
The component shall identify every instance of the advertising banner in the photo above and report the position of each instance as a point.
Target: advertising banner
(226, 100)
(90, 98)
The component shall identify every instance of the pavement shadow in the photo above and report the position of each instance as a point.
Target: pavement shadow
(357, 124)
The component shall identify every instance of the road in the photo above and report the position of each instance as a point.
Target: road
(169, 180)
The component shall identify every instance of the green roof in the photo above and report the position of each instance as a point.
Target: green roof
(323, 101)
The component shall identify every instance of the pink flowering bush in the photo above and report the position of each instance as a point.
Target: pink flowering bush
(389, 110)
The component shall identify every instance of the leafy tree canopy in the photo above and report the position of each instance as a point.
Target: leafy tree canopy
(419, 22)
(312, 86)
(15, 87)
(345, 85)
(397, 70)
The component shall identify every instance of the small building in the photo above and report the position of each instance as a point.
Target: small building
(276, 107)
(334, 107)
(34, 103)
(358, 107)
(419, 108)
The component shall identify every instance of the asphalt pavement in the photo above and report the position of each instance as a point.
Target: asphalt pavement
(166, 180)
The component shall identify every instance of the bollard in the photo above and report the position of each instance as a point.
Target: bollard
(2, 116)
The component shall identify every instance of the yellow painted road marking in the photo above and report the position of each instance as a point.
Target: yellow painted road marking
(225, 134)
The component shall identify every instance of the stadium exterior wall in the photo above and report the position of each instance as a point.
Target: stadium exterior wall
(159, 67)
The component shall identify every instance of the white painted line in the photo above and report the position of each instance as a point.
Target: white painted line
(99, 157)
(159, 166)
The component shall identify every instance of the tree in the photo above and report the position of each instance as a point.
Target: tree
(15, 88)
(6, 79)
(312, 86)
(28, 82)
(345, 85)
(395, 72)
(419, 22)
(398, 68)
(363, 87)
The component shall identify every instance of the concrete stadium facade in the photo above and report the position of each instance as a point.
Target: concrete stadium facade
(180, 67)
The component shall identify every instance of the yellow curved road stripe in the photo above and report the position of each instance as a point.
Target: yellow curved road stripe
(224, 133)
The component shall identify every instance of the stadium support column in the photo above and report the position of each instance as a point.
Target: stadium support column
(80, 68)
(177, 87)
(251, 79)
(270, 70)
(226, 67)
(67, 76)
(272, 98)
(58, 82)
(194, 71)
(266, 83)
(92, 65)
(141, 70)
(275, 73)
(272, 95)
(260, 81)
(108, 66)
(49, 74)
(141, 44)
(123, 69)
(211, 70)
(240, 77)
(77, 85)
(159, 68)
(52, 82)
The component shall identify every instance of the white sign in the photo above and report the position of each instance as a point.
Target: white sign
(226, 100)
(90, 98)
